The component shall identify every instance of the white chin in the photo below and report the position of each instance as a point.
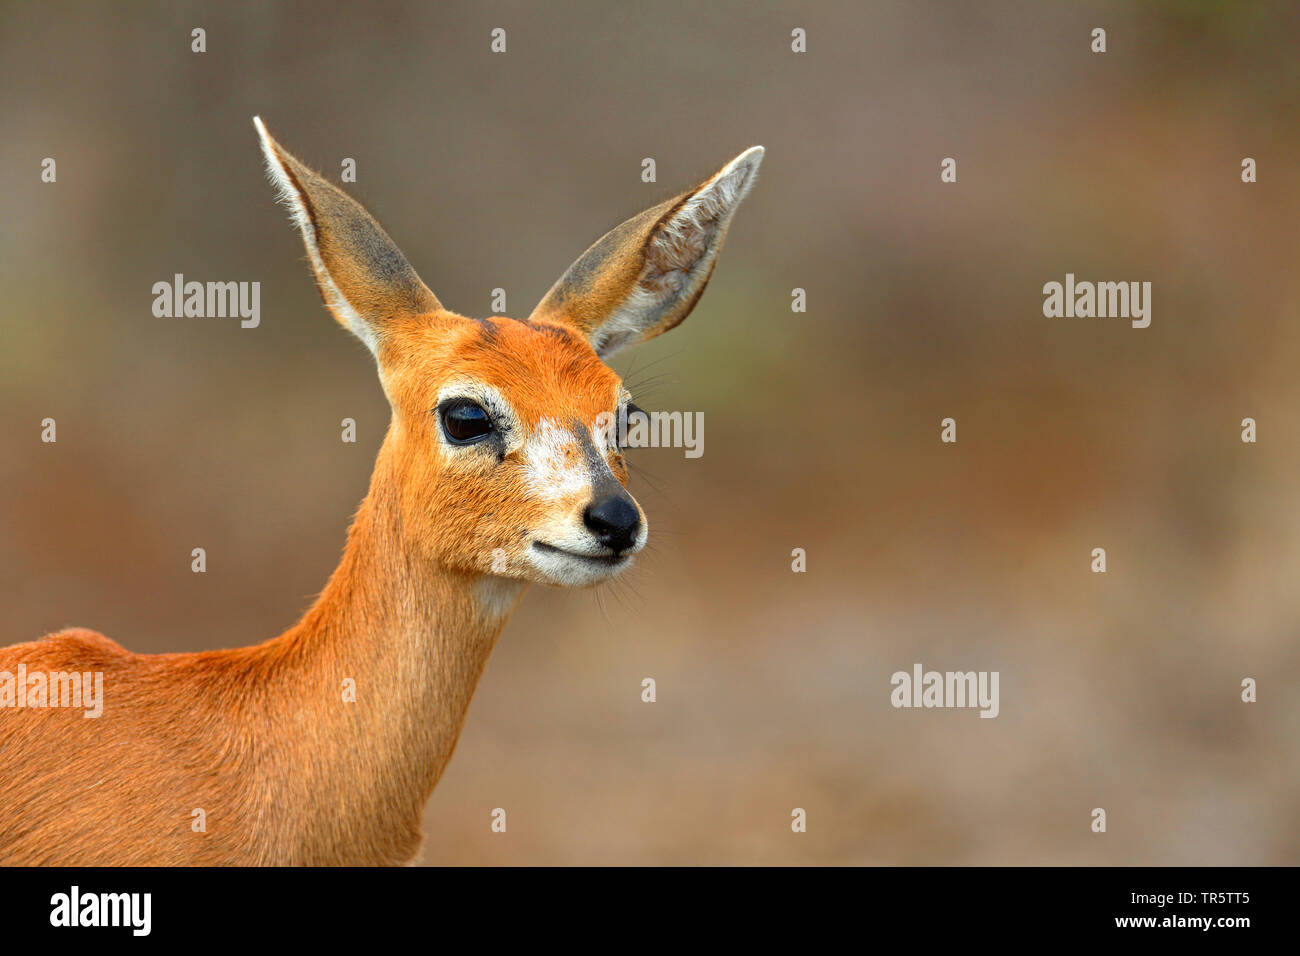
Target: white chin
(572, 570)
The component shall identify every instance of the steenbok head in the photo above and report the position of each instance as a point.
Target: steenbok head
(501, 458)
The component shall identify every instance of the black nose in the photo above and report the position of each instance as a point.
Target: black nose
(614, 521)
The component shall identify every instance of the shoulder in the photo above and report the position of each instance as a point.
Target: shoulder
(73, 646)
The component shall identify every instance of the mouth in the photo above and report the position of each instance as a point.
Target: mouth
(612, 560)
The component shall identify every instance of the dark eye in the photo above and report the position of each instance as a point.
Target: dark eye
(465, 422)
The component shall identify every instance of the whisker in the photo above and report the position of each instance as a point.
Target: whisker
(650, 365)
(599, 597)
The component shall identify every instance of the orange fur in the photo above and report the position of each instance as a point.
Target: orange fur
(260, 738)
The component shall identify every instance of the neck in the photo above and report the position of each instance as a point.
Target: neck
(410, 641)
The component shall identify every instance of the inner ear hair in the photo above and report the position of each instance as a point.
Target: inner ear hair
(645, 275)
(361, 274)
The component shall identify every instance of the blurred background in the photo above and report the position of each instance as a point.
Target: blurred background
(1118, 690)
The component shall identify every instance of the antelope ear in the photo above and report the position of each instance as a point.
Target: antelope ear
(363, 277)
(643, 277)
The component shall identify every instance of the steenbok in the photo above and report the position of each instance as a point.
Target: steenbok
(496, 471)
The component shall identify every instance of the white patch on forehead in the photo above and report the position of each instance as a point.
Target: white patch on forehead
(554, 464)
